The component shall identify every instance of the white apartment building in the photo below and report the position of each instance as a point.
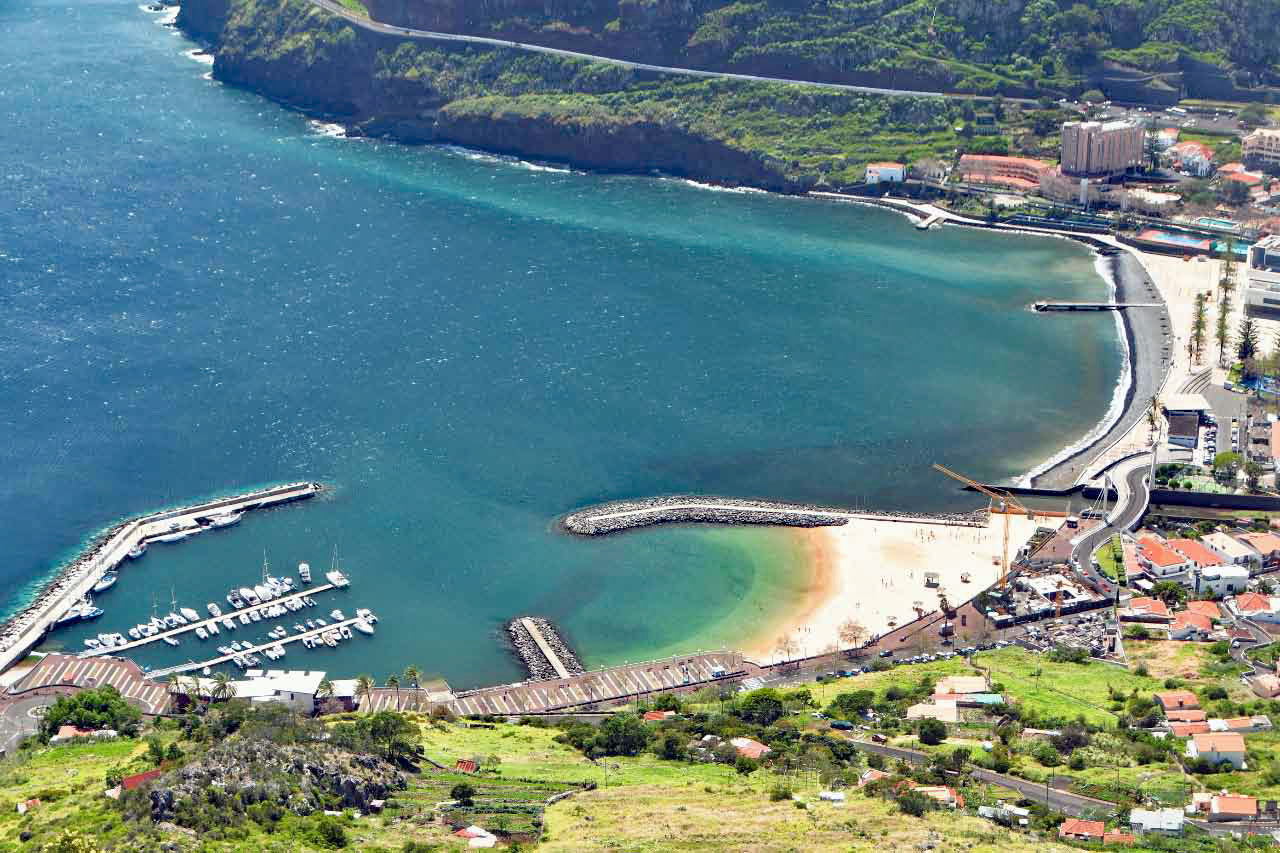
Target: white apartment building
(1263, 290)
(1262, 147)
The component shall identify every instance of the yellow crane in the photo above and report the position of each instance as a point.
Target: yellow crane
(1006, 502)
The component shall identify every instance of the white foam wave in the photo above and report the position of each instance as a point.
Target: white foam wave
(167, 18)
(504, 159)
(1116, 408)
(324, 128)
(716, 188)
(200, 55)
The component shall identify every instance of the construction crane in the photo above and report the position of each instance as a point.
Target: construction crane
(1006, 503)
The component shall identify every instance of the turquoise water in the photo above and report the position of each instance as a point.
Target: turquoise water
(199, 292)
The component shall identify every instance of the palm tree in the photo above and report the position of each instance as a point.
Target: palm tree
(364, 689)
(179, 687)
(394, 683)
(222, 689)
(413, 678)
(324, 690)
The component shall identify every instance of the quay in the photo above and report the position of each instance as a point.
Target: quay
(22, 632)
(187, 667)
(929, 221)
(544, 652)
(204, 623)
(1092, 306)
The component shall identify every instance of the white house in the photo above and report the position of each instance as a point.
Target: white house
(295, 688)
(1163, 562)
(1223, 580)
(1217, 748)
(1256, 606)
(1230, 549)
(885, 173)
(1156, 821)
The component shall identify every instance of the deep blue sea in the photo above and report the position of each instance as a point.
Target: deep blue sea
(200, 292)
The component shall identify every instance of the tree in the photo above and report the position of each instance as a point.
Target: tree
(1170, 592)
(762, 707)
(413, 678)
(223, 689)
(1252, 475)
(1247, 348)
(848, 706)
(1198, 326)
(785, 647)
(324, 690)
(96, 708)
(70, 841)
(364, 689)
(1222, 331)
(1253, 115)
(393, 682)
(851, 633)
(463, 792)
(932, 732)
(622, 734)
(1226, 465)
(1153, 415)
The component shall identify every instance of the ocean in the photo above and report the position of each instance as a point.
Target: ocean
(201, 291)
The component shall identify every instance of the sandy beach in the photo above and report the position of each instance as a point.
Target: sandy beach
(873, 572)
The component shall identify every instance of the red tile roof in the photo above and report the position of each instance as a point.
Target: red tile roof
(1252, 602)
(1118, 838)
(131, 782)
(1187, 715)
(1219, 742)
(1235, 804)
(1082, 828)
(1263, 543)
(1157, 553)
(1189, 729)
(1205, 608)
(1177, 699)
(1151, 605)
(750, 748)
(465, 765)
(1247, 178)
(1195, 552)
(1187, 619)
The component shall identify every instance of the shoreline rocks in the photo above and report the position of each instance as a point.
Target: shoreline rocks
(527, 649)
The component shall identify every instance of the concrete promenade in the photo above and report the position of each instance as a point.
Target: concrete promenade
(29, 627)
(204, 623)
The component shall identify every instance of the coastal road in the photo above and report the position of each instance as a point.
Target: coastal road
(371, 25)
(1062, 801)
(1135, 495)
(20, 719)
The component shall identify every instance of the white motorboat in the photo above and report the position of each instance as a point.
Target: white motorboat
(363, 627)
(311, 624)
(178, 620)
(202, 633)
(244, 618)
(135, 633)
(170, 640)
(299, 629)
(92, 643)
(255, 616)
(279, 650)
(304, 572)
(337, 615)
(330, 641)
(309, 601)
(321, 623)
(264, 593)
(137, 550)
(177, 532)
(214, 610)
(346, 632)
(206, 671)
(337, 578)
(80, 611)
(105, 583)
(250, 596)
(228, 623)
(236, 600)
(106, 640)
(189, 614)
(226, 650)
(213, 628)
(367, 615)
(225, 519)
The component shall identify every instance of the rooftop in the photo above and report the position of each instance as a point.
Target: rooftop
(1222, 542)
(1205, 608)
(1195, 552)
(1187, 619)
(1157, 553)
(1263, 543)
(1219, 742)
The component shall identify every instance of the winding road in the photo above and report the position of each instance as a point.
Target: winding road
(1135, 495)
(373, 26)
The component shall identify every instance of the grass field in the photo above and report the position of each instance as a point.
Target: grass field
(1109, 559)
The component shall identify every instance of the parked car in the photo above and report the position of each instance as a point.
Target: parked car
(842, 725)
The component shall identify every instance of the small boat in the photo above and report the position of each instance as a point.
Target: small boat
(214, 610)
(234, 599)
(226, 650)
(92, 643)
(264, 592)
(311, 624)
(206, 671)
(189, 614)
(309, 601)
(82, 610)
(321, 623)
(330, 641)
(226, 519)
(364, 627)
(213, 627)
(279, 650)
(346, 632)
(135, 633)
(255, 616)
(299, 629)
(304, 572)
(177, 532)
(202, 633)
(137, 550)
(244, 618)
(105, 583)
(250, 596)
(170, 640)
(106, 640)
(337, 578)
(178, 620)
(367, 615)
(228, 623)
(337, 615)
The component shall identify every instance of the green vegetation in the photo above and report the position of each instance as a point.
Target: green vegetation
(100, 708)
(1110, 558)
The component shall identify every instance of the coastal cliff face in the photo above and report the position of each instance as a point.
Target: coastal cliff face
(588, 114)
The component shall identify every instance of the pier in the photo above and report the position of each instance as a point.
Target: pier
(30, 626)
(544, 652)
(928, 222)
(190, 665)
(1093, 306)
(204, 623)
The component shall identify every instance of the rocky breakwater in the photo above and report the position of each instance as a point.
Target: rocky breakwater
(625, 515)
(531, 654)
(242, 772)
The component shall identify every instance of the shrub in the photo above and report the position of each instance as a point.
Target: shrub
(1077, 761)
(463, 792)
(1137, 632)
(1141, 670)
(328, 832)
(914, 804)
(778, 793)
(762, 707)
(97, 708)
(745, 766)
(932, 732)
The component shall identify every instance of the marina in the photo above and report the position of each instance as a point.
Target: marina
(204, 624)
(257, 649)
(125, 541)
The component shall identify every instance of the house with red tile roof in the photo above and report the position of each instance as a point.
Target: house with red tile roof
(1266, 685)
(1205, 608)
(749, 748)
(1187, 715)
(1190, 626)
(1176, 700)
(1217, 748)
(465, 765)
(657, 716)
(1117, 838)
(871, 775)
(1082, 830)
(1266, 544)
(1189, 729)
(1254, 605)
(1232, 807)
(947, 796)
(1145, 610)
(1160, 560)
(1132, 568)
(1199, 555)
